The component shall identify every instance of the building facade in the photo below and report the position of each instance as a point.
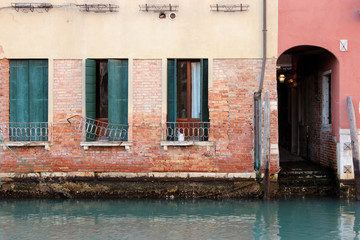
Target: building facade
(318, 53)
(135, 88)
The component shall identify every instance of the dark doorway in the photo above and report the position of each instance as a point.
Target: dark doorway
(304, 86)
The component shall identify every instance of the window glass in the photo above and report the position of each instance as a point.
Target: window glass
(195, 90)
(182, 94)
(102, 90)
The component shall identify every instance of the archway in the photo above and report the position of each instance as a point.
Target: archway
(307, 77)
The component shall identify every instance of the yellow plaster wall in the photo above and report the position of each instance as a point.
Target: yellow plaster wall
(66, 33)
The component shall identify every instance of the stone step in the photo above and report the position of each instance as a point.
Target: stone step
(302, 188)
(306, 182)
(304, 177)
(310, 177)
(299, 179)
(304, 172)
(309, 191)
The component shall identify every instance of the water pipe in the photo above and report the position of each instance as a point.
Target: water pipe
(257, 100)
(0, 161)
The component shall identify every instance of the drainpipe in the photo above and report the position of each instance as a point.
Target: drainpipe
(257, 101)
(0, 160)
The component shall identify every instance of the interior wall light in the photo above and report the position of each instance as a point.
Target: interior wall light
(172, 16)
(162, 15)
(281, 78)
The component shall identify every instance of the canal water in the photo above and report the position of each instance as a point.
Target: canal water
(161, 219)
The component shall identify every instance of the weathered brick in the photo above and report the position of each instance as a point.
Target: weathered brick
(231, 117)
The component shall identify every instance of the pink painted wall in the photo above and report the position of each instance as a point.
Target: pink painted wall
(324, 23)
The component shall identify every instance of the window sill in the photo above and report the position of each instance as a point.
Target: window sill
(27, 144)
(86, 145)
(167, 144)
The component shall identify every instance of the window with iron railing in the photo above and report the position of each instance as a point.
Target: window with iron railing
(28, 101)
(106, 100)
(187, 109)
(189, 131)
(95, 130)
(33, 131)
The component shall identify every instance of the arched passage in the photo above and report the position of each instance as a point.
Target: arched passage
(307, 94)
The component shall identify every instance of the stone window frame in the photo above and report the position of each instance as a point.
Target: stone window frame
(326, 113)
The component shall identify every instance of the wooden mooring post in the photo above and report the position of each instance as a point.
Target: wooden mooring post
(354, 145)
(266, 144)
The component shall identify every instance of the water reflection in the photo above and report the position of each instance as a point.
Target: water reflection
(287, 219)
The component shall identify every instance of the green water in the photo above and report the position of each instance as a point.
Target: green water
(125, 219)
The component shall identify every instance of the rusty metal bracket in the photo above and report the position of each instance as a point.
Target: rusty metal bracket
(26, 7)
(229, 8)
(158, 8)
(98, 8)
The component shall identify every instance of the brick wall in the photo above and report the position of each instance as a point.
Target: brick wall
(67, 89)
(231, 117)
(4, 90)
(328, 154)
(147, 75)
(231, 103)
(321, 141)
(67, 102)
(65, 153)
(328, 150)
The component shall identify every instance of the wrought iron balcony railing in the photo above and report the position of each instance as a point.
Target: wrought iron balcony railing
(187, 131)
(96, 130)
(25, 131)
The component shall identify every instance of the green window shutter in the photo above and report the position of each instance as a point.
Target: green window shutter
(118, 99)
(204, 98)
(171, 99)
(38, 98)
(19, 94)
(90, 88)
(19, 99)
(29, 99)
(90, 98)
(13, 90)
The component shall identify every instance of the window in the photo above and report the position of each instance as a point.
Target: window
(188, 112)
(326, 97)
(106, 100)
(28, 100)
